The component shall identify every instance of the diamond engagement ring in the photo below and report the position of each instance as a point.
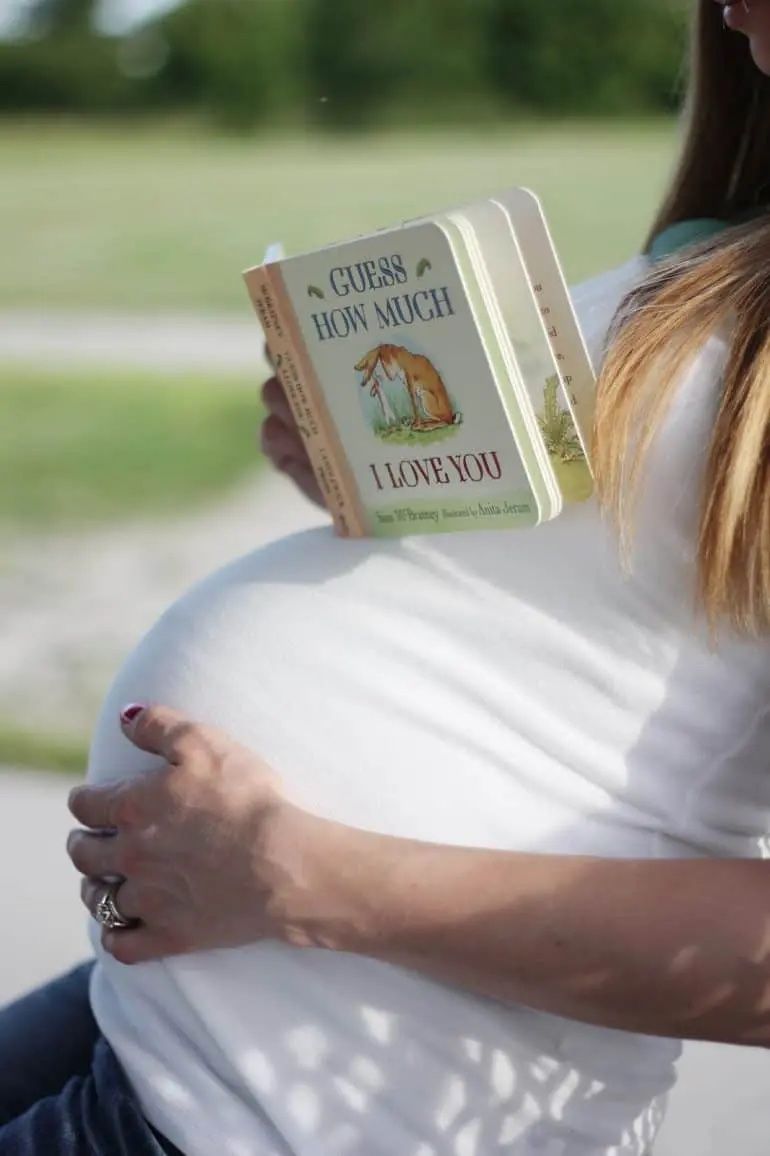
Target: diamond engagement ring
(108, 913)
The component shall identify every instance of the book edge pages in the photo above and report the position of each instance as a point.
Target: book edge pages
(482, 320)
(486, 216)
(583, 408)
(505, 389)
(521, 392)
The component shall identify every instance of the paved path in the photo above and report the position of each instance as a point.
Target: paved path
(43, 929)
(154, 342)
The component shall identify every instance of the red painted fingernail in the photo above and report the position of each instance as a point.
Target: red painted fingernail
(130, 712)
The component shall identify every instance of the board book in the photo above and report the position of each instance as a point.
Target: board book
(436, 371)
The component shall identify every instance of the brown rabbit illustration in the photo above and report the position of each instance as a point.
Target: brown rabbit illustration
(430, 400)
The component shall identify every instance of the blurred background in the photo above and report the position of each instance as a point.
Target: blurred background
(149, 151)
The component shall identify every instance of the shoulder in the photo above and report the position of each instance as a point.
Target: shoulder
(691, 414)
(596, 301)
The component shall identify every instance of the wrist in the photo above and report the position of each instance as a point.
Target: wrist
(330, 880)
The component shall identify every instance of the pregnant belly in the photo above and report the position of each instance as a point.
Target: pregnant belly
(391, 691)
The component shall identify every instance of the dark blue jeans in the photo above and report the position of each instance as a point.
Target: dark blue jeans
(62, 1091)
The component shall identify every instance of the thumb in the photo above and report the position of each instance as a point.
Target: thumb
(157, 729)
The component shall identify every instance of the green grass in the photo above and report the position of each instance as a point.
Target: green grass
(139, 218)
(38, 751)
(78, 448)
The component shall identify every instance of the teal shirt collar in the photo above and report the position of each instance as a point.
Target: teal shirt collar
(684, 233)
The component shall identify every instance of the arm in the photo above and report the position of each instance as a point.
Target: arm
(673, 947)
(214, 855)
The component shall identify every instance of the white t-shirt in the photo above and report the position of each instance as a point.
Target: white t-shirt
(505, 690)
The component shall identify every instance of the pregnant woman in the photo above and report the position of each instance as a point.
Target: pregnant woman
(439, 846)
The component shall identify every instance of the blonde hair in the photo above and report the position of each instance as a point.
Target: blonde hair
(724, 170)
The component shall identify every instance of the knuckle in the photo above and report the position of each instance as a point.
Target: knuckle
(74, 800)
(214, 742)
(81, 804)
(78, 852)
(149, 719)
(186, 737)
(180, 780)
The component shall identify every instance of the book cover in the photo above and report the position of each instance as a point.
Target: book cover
(408, 379)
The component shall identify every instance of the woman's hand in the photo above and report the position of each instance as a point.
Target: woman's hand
(282, 442)
(211, 853)
(214, 856)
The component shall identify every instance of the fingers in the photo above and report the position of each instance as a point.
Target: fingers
(133, 944)
(160, 731)
(281, 440)
(276, 402)
(100, 807)
(130, 945)
(303, 476)
(281, 443)
(131, 901)
(95, 854)
(91, 891)
(128, 897)
(285, 449)
(138, 945)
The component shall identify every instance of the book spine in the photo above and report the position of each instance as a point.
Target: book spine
(304, 394)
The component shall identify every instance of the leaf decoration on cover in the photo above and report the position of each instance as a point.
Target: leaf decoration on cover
(314, 291)
(557, 427)
(423, 266)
